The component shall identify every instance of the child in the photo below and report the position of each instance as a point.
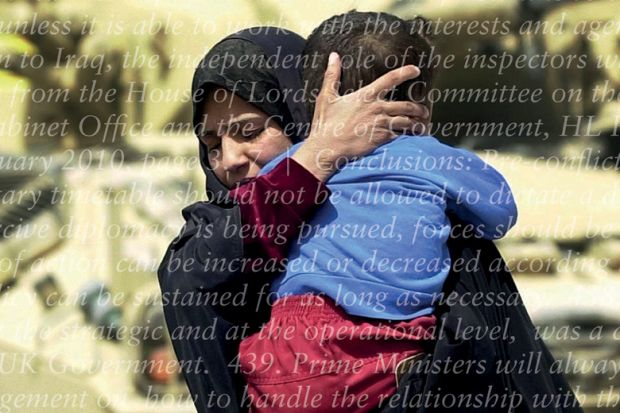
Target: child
(376, 250)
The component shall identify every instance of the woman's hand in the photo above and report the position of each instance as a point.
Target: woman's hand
(347, 127)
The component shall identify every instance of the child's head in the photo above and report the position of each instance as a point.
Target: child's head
(370, 45)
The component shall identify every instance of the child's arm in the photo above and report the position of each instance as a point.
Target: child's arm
(479, 195)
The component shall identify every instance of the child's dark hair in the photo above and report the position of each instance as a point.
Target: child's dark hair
(370, 45)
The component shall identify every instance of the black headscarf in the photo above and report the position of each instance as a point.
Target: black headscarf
(260, 65)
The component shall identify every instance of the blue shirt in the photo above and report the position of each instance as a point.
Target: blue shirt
(378, 245)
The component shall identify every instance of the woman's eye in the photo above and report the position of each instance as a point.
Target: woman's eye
(253, 134)
(215, 149)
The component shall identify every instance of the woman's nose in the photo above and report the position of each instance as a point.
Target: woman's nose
(234, 154)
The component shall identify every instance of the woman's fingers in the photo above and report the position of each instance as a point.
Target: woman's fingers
(402, 108)
(380, 87)
(331, 78)
(346, 127)
(402, 125)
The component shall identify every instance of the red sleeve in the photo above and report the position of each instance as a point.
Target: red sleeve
(274, 206)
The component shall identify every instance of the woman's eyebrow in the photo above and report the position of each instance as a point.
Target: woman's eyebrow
(243, 119)
(237, 123)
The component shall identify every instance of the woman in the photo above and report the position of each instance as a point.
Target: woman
(215, 275)
(217, 257)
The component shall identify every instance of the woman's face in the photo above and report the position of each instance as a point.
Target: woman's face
(241, 139)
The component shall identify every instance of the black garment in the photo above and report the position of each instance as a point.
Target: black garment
(205, 323)
(509, 367)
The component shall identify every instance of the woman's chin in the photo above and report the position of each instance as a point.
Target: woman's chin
(235, 183)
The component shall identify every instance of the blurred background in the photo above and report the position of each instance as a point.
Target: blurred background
(98, 159)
